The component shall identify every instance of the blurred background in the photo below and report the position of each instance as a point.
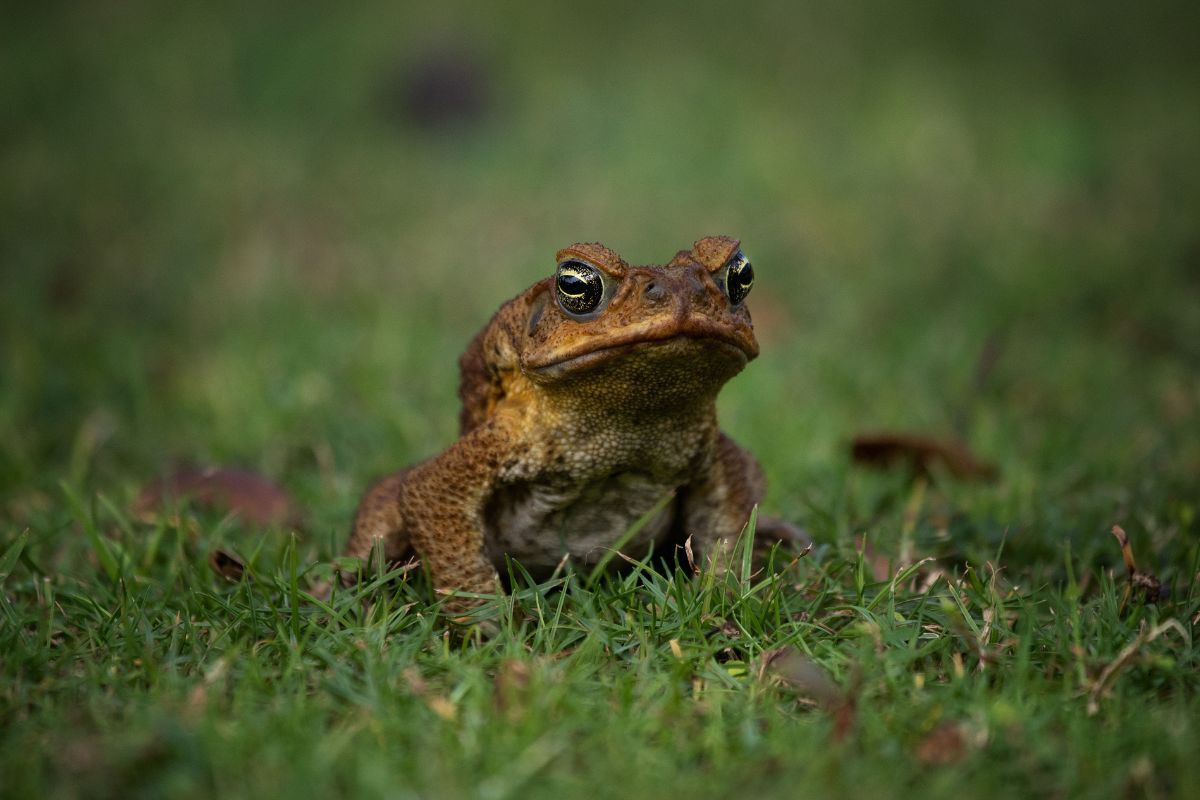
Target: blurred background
(261, 235)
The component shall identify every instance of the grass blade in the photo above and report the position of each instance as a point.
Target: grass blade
(626, 537)
(104, 553)
(12, 554)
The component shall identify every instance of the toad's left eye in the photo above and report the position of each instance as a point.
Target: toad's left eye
(580, 287)
(739, 277)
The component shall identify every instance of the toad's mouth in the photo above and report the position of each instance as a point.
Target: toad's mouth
(689, 338)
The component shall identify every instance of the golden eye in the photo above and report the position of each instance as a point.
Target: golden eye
(739, 278)
(579, 287)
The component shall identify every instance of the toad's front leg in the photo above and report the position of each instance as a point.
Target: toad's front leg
(717, 507)
(436, 508)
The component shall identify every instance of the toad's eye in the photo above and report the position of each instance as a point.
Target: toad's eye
(739, 277)
(579, 287)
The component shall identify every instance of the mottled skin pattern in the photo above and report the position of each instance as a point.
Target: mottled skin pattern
(572, 429)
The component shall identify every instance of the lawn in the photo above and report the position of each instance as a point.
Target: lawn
(260, 236)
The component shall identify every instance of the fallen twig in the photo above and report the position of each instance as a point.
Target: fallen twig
(1145, 636)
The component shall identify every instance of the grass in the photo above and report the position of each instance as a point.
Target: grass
(224, 241)
(161, 680)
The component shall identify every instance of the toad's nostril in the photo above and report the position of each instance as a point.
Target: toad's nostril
(653, 292)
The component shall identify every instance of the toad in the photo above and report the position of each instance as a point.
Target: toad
(587, 402)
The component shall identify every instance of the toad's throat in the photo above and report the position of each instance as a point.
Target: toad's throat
(588, 354)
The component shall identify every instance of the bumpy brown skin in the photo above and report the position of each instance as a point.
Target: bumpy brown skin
(573, 429)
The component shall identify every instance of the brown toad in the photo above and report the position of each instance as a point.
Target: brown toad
(587, 399)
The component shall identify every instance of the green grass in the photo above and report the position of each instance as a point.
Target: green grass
(218, 245)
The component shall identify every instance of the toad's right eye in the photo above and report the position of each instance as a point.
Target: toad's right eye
(579, 288)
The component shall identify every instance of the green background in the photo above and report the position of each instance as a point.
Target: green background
(227, 238)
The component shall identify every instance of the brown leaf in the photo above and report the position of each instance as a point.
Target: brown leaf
(442, 706)
(691, 556)
(1143, 585)
(945, 744)
(446, 88)
(511, 689)
(881, 565)
(198, 696)
(415, 680)
(1126, 549)
(843, 718)
(792, 668)
(226, 564)
(438, 704)
(922, 455)
(253, 497)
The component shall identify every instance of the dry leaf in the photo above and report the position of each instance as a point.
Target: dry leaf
(197, 699)
(438, 704)
(510, 688)
(443, 707)
(797, 671)
(691, 556)
(1143, 585)
(945, 744)
(198, 696)
(843, 718)
(415, 680)
(227, 565)
(443, 89)
(790, 667)
(921, 454)
(880, 565)
(253, 497)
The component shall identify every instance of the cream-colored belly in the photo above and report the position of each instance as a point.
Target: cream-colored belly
(537, 525)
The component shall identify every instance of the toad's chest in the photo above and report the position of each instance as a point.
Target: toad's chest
(577, 488)
(537, 525)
